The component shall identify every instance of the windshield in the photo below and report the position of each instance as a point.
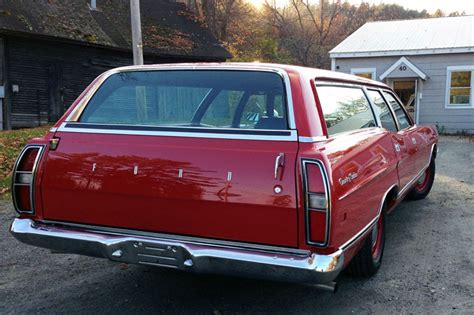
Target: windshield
(194, 98)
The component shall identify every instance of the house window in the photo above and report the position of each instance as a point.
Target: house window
(368, 73)
(459, 87)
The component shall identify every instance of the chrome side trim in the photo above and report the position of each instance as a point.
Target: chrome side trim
(327, 189)
(75, 114)
(312, 139)
(359, 235)
(410, 183)
(414, 179)
(40, 148)
(293, 135)
(368, 227)
(319, 82)
(199, 258)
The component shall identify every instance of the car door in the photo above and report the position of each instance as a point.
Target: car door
(404, 141)
(423, 138)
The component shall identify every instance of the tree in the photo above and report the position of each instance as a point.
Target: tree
(304, 29)
(301, 32)
(439, 13)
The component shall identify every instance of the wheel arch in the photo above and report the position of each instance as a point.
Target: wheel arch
(434, 151)
(390, 197)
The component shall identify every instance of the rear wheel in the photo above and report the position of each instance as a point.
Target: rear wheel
(368, 260)
(425, 182)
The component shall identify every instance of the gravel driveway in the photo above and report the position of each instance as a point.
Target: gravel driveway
(428, 268)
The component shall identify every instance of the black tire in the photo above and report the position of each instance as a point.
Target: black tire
(364, 264)
(420, 191)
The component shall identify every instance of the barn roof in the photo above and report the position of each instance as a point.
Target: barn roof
(168, 28)
(409, 37)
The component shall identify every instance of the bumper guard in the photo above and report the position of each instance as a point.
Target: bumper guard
(184, 255)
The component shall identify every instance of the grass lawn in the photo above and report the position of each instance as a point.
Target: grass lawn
(11, 143)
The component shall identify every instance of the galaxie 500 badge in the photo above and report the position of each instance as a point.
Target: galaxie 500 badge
(349, 178)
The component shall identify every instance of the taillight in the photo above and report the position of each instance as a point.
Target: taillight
(23, 178)
(317, 202)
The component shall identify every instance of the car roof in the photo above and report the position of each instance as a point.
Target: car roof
(313, 73)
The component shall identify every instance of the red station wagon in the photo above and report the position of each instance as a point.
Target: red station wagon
(259, 170)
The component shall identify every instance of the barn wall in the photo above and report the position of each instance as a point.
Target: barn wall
(2, 89)
(1, 60)
(50, 76)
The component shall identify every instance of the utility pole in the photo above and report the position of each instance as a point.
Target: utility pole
(137, 44)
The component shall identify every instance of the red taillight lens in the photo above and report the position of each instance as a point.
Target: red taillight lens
(23, 179)
(315, 178)
(317, 202)
(23, 199)
(317, 223)
(27, 161)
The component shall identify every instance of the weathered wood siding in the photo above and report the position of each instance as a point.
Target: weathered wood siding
(432, 104)
(50, 76)
(2, 89)
(1, 61)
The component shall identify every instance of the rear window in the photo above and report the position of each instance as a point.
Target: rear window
(194, 98)
(345, 109)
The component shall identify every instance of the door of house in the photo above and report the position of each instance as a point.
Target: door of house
(55, 93)
(406, 89)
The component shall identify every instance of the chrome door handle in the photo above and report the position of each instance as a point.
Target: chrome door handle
(397, 147)
(413, 140)
(279, 162)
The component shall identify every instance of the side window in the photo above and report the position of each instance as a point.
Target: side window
(382, 111)
(345, 109)
(400, 115)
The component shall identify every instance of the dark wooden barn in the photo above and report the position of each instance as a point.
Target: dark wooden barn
(50, 50)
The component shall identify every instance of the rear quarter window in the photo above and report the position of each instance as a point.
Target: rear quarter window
(345, 109)
(190, 98)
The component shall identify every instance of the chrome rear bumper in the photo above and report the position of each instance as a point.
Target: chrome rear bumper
(185, 255)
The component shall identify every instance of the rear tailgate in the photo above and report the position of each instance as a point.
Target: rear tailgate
(202, 187)
(124, 163)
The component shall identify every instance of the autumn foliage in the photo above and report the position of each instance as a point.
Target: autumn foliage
(301, 32)
(11, 143)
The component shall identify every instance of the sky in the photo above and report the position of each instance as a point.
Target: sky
(447, 6)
